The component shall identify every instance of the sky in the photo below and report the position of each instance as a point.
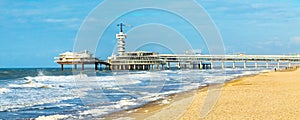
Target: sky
(33, 32)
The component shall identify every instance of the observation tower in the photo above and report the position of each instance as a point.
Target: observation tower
(121, 43)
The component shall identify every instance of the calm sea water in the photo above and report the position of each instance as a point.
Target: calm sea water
(32, 93)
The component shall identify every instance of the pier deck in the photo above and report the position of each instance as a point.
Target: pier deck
(153, 61)
(158, 61)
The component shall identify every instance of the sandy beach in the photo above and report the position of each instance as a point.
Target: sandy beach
(271, 95)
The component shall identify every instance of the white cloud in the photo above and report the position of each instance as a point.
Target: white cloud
(51, 20)
(295, 39)
(69, 23)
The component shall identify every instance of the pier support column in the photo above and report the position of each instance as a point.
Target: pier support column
(96, 66)
(82, 66)
(290, 64)
(245, 64)
(62, 67)
(200, 65)
(75, 66)
(143, 67)
(134, 67)
(211, 65)
(255, 65)
(178, 65)
(152, 66)
(168, 65)
(223, 65)
(267, 65)
(162, 67)
(100, 66)
(233, 64)
(278, 64)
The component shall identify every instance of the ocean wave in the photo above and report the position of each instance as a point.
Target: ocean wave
(56, 78)
(125, 90)
(15, 106)
(125, 103)
(96, 112)
(41, 73)
(29, 84)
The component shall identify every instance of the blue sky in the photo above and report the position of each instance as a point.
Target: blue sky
(33, 32)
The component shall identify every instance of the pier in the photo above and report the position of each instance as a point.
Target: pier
(154, 61)
(144, 60)
(141, 60)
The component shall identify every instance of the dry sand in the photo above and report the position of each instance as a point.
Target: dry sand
(272, 95)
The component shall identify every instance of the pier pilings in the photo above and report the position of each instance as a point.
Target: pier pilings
(62, 67)
(187, 65)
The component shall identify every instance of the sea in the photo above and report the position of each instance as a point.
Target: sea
(29, 93)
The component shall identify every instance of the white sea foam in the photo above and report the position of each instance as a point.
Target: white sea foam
(56, 78)
(29, 84)
(215, 79)
(165, 102)
(125, 103)
(102, 110)
(97, 111)
(41, 73)
(103, 81)
(125, 118)
(53, 117)
(21, 104)
(190, 87)
(4, 90)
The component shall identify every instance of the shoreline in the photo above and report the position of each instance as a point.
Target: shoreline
(180, 105)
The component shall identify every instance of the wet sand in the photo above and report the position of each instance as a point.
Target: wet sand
(272, 95)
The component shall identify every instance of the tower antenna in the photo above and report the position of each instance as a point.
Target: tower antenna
(121, 26)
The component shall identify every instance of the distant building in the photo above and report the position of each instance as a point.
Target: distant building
(193, 52)
(75, 58)
(71, 57)
(139, 60)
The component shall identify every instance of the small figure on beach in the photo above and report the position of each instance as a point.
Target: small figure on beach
(275, 69)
